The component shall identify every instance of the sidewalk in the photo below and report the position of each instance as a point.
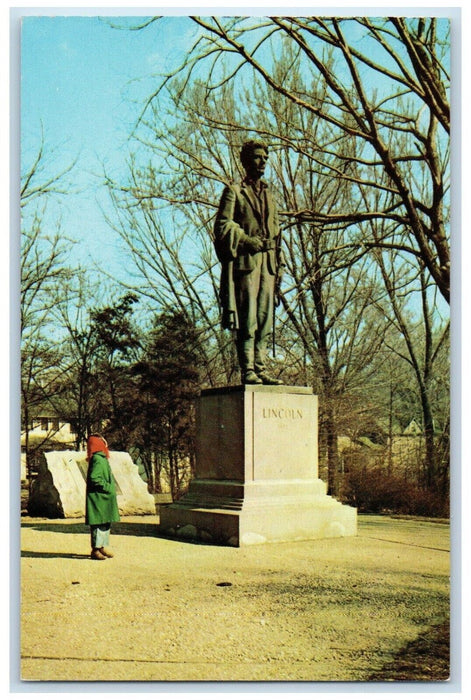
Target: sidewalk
(162, 610)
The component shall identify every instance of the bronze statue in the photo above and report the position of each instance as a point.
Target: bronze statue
(247, 242)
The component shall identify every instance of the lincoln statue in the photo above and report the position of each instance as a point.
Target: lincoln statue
(247, 242)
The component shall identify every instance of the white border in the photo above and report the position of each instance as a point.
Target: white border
(9, 414)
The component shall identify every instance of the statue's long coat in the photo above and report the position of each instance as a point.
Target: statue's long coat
(101, 505)
(239, 217)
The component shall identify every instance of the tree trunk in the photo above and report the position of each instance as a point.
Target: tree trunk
(26, 420)
(332, 452)
(390, 430)
(429, 432)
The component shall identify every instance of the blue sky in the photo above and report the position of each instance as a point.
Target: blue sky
(83, 83)
(79, 75)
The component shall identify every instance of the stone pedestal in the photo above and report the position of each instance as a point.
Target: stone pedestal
(256, 472)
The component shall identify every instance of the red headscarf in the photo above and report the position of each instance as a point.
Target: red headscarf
(96, 443)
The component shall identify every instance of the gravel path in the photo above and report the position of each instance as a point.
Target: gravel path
(323, 610)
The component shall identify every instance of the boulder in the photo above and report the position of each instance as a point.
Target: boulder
(59, 489)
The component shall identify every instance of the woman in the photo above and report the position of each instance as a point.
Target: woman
(101, 507)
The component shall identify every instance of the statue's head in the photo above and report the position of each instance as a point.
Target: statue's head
(254, 156)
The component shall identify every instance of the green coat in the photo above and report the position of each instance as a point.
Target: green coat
(101, 504)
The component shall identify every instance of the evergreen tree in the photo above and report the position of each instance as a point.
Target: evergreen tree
(167, 383)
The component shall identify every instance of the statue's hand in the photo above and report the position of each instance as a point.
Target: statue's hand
(254, 244)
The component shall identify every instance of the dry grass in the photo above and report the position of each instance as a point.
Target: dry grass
(427, 658)
(323, 610)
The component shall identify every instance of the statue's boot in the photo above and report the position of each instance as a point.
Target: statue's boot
(260, 354)
(245, 352)
(266, 378)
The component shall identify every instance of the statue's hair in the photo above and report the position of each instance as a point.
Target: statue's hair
(249, 147)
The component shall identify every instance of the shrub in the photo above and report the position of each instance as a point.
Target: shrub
(375, 491)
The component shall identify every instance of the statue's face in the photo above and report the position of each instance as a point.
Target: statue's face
(256, 163)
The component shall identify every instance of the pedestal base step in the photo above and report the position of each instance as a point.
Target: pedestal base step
(248, 522)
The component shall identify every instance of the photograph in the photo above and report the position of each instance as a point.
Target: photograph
(235, 350)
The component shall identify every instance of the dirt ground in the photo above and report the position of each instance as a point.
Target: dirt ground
(324, 610)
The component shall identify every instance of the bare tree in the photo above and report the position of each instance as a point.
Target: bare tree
(84, 396)
(43, 269)
(422, 339)
(362, 166)
(385, 78)
(325, 303)
(41, 178)
(164, 215)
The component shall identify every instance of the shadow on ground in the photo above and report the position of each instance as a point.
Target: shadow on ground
(425, 658)
(132, 529)
(53, 555)
(122, 528)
